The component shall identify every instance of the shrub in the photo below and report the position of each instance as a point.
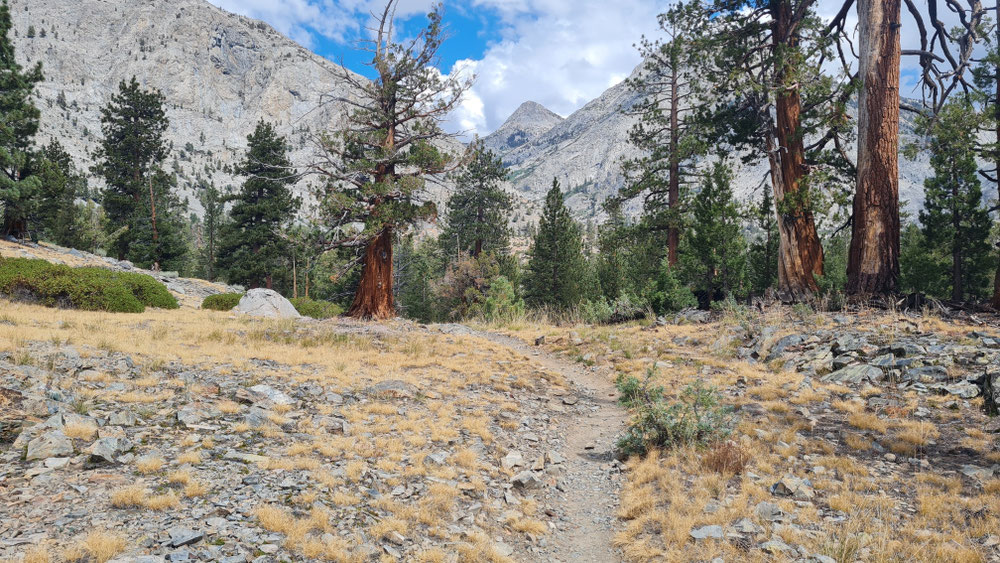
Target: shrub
(315, 308)
(502, 303)
(623, 309)
(726, 458)
(221, 301)
(697, 418)
(92, 289)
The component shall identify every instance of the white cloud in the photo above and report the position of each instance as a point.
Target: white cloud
(299, 18)
(558, 53)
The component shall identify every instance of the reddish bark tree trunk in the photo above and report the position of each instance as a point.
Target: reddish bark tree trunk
(800, 254)
(373, 299)
(674, 187)
(873, 262)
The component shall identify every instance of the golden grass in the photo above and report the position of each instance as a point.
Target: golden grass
(190, 457)
(98, 545)
(867, 421)
(147, 465)
(80, 431)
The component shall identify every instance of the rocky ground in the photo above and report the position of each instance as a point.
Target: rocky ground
(863, 435)
(195, 435)
(198, 435)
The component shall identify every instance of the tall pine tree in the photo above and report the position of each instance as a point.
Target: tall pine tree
(56, 215)
(762, 260)
(715, 261)
(253, 247)
(556, 265)
(141, 207)
(18, 125)
(953, 216)
(212, 202)
(478, 211)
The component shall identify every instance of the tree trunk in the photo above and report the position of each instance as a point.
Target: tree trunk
(373, 299)
(956, 246)
(674, 181)
(800, 254)
(873, 262)
(996, 109)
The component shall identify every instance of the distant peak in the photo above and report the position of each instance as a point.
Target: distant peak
(534, 110)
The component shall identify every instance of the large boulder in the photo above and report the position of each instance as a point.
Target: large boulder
(266, 303)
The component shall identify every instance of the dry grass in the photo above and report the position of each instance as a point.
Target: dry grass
(80, 431)
(867, 421)
(190, 457)
(147, 465)
(98, 545)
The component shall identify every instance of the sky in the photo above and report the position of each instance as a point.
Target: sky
(559, 53)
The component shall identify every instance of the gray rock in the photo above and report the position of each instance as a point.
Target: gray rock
(266, 303)
(189, 416)
(747, 526)
(777, 547)
(109, 449)
(181, 536)
(265, 393)
(392, 389)
(927, 374)
(526, 480)
(50, 444)
(770, 512)
(705, 532)
(122, 418)
(854, 374)
(976, 472)
(794, 487)
(963, 389)
(512, 459)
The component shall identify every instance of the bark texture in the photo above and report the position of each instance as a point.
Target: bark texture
(373, 298)
(873, 261)
(800, 257)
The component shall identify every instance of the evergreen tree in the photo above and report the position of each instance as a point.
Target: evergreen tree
(415, 274)
(953, 216)
(253, 246)
(715, 257)
(141, 208)
(56, 213)
(18, 125)
(762, 261)
(665, 133)
(556, 263)
(378, 162)
(613, 245)
(478, 211)
(211, 201)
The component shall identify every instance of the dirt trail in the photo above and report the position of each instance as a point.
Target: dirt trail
(588, 504)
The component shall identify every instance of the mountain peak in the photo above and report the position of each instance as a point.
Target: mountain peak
(529, 121)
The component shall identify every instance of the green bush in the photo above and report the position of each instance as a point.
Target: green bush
(315, 308)
(502, 303)
(91, 289)
(221, 301)
(697, 418)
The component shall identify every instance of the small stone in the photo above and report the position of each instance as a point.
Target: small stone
(184, 536)
(705, 532)
(540, 340)
(512, 459)
(794, 487)
(570, 400)
(526, 480)
(976, 472)
(392, 389)
(770, 512)
(747, 526)
(266, 393)
(108, 449)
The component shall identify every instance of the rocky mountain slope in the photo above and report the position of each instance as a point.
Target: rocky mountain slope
(529, 121)
(221, 73)
(585, 152)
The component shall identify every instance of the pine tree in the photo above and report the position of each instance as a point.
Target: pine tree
(56, 212)
(18, 125)
(479, 209)
(665, 133)
(715, 257)
(378, 162)
(556, 264)
(138, 198)
(253, 246)
(762, 261)
(953, 216)
(212, 201)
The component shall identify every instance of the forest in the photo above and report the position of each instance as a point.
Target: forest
(726, 84)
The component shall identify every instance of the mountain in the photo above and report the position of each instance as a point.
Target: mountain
(585, 152)
(221, 73)
(528, 122)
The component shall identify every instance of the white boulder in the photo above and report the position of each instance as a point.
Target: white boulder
(266, 303)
